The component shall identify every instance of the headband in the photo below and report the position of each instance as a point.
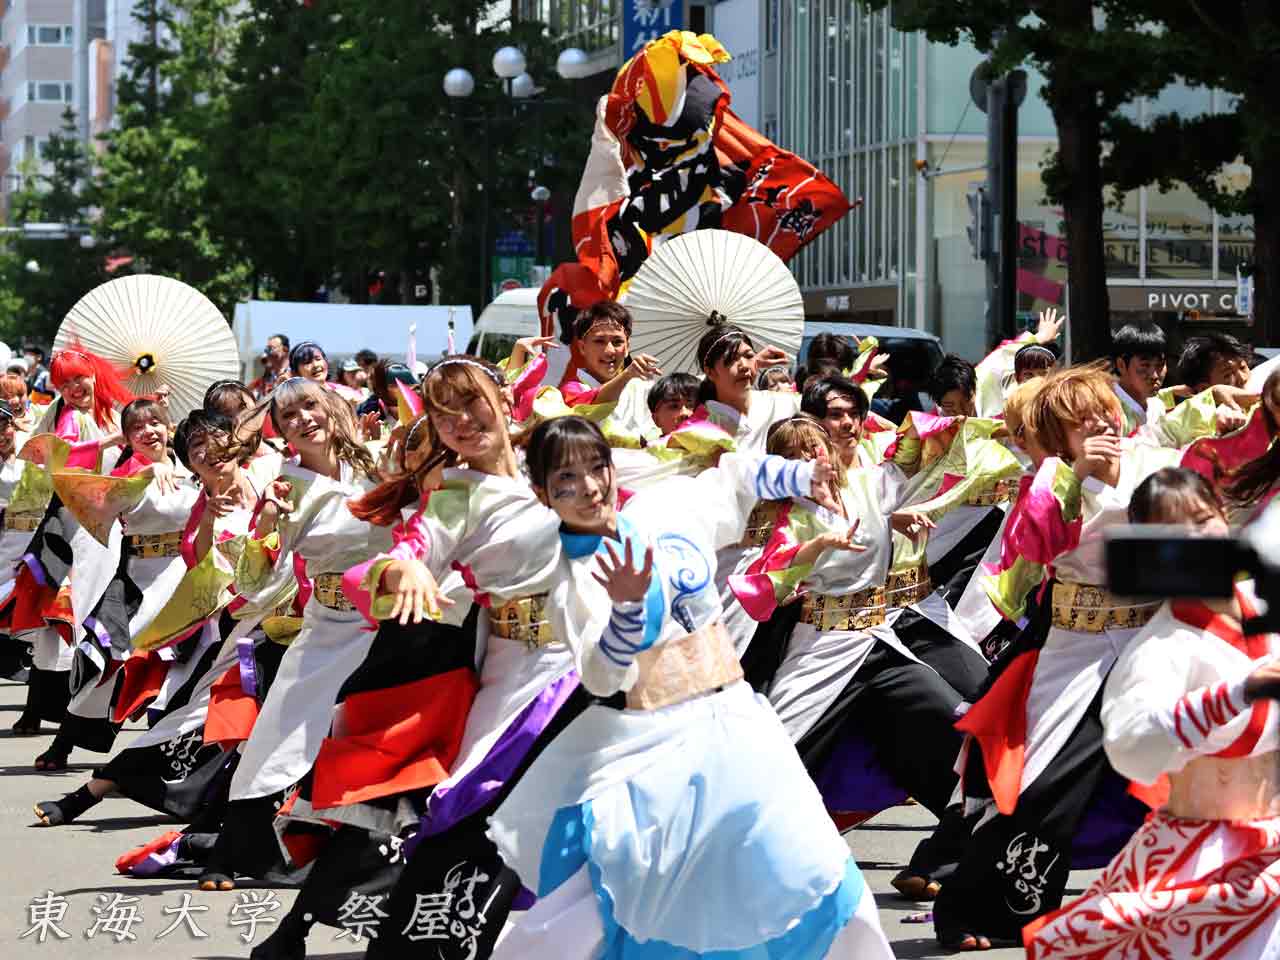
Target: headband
(1034, 348)
(725, 336)
(466, 362)
(413, 430)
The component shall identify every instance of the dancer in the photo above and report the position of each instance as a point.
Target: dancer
(730, 364)
(1190, 700)
(473, 511)
(630, 822)
(83, 417)
(1036, 751)
(171, 767)
(305, 516)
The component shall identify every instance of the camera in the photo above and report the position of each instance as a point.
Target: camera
(1154, 560)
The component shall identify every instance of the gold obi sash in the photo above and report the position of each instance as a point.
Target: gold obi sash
(905, 587)
(327, 590)
(680, 670)
(523, 620)
(153, 545)
(1216, 788)
(26, 522)
(760, 523)
(1089, 608)
(1002, 492)
(850, 611)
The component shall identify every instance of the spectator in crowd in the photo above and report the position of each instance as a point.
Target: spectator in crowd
(276, 365)
(37, 372)
(351, 374)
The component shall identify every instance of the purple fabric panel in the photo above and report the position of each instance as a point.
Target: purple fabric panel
(248, 667)
(1112, 817)
(157, 862)
(36, 567)
(449, 805)
(853, 781)
(99, 632)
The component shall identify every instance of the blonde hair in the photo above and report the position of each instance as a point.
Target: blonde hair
(447, 388)
(343, 432)
(1017, 404)
(1066, 399)
(803, 434)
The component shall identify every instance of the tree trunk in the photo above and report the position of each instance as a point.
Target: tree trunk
(1266, 254)
(1080, 153)
(1262, 105)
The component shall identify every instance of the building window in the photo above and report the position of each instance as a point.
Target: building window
(39, 35)
(49, 92)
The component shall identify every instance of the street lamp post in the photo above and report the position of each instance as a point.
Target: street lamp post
(509, 66)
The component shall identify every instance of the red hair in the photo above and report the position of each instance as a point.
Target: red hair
(109, 390)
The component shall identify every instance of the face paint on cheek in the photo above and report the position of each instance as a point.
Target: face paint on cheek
(567, 492)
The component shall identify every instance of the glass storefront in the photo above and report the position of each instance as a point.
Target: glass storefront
(866, 118)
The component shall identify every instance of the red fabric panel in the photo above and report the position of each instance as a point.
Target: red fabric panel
(128, 860)
(24, 608)
(143, 676)
(998, 722)
(394, 740)
(232, 712)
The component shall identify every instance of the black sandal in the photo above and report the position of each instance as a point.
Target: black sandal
(52, 760)
(56, 813)
(287, 942)
(26, 726)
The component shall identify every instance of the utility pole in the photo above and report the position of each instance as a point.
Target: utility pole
(999, 97)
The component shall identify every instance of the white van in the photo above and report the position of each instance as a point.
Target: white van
(512, 315)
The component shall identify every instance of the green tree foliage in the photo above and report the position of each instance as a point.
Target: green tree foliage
(342, 159)
(1094, 56)
(43, 278)
(154, 183)
(1234, 46)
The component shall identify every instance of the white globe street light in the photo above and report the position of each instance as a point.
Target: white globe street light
(540, 194)
(459, 83)
(572, 64)
(33, 266)
(508, 63)
(523, 87)
(88, 241)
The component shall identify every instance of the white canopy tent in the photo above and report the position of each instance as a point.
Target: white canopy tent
(343, 329)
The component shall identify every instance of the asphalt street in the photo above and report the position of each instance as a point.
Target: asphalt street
(67, 876)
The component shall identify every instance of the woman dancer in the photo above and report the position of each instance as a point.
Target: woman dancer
(1190, 700)
(84, 418)
(631, 822)
(14, 657)
(170, 767)
(475, 512)
(305, 516)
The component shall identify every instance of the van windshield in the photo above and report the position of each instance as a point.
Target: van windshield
(493, 347)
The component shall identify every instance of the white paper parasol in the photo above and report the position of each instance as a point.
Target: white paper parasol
(692, 277)
(159, 329)
(1258, 375)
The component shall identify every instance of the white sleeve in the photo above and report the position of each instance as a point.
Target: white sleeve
(604, 640)
(727, 494)
(1153, 724)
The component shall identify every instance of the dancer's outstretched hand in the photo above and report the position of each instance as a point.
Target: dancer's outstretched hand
(619, 577)
(417, 594)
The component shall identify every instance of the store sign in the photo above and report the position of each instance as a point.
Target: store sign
(737, 27)
(1217, 300)
(646, 20)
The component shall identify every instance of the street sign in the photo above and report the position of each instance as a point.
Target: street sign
(645, 20)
